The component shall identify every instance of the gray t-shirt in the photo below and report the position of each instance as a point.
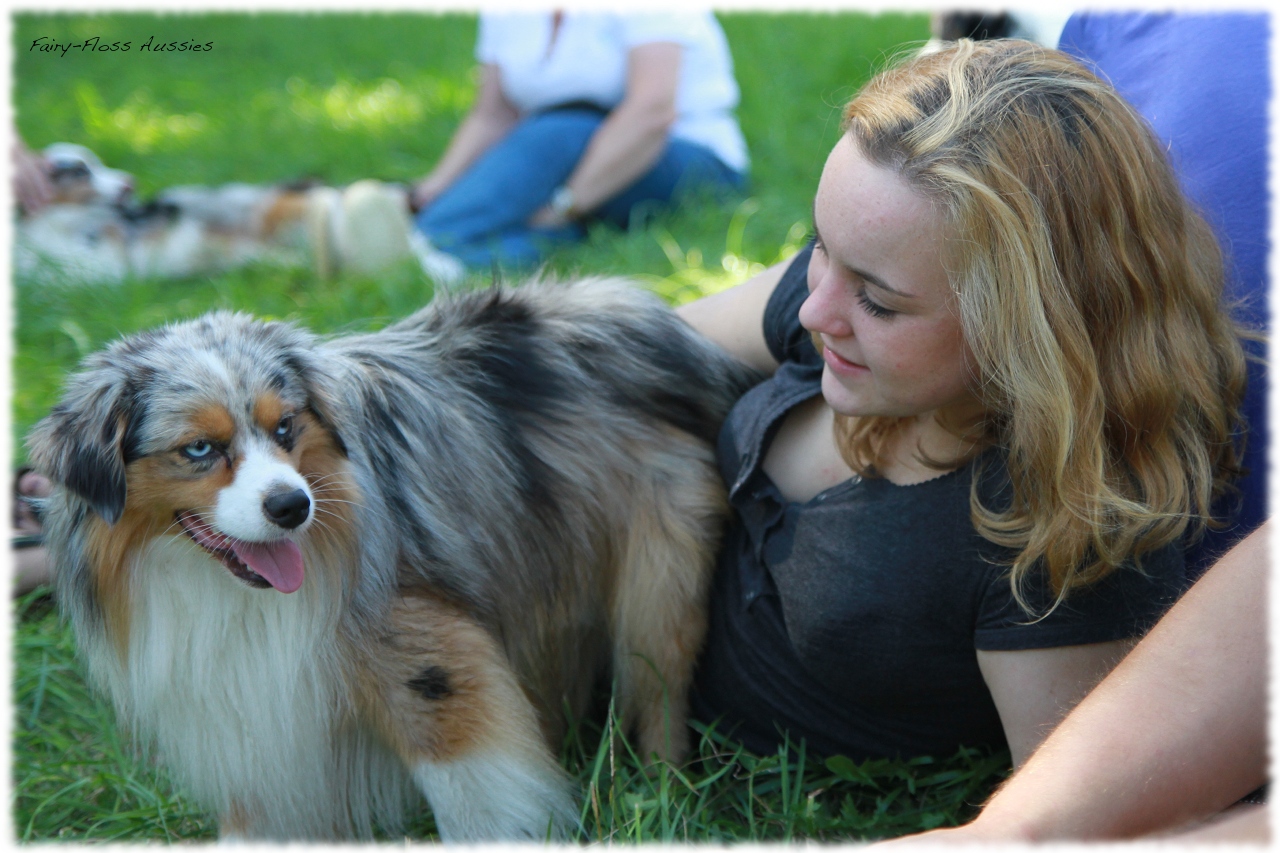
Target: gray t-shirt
(852, 620)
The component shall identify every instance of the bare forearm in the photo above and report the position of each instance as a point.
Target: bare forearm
(1175, 734)
(734, 318)
(623, 149)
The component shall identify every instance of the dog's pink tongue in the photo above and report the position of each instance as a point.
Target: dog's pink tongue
(279, 563)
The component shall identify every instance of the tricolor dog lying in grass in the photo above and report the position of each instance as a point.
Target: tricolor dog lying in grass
(321, 575)
(94, 231)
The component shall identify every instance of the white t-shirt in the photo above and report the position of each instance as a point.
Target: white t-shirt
(588, 62)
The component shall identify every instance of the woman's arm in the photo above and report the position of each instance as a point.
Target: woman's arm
(490, 119)
(632, 138)
(1033, 690)
(734, 318)
(1177, 733)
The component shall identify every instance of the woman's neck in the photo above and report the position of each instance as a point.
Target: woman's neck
(931, 444)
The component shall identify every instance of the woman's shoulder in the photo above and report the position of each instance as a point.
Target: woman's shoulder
(786, 338)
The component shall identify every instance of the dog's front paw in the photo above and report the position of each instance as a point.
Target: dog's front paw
(490, 796)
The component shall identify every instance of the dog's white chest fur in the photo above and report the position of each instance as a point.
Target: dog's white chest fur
(242, 692)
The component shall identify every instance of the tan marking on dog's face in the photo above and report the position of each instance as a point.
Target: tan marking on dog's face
(317, 458)
(158, 487)
(164, 484)
(267, 412)
(214, 423)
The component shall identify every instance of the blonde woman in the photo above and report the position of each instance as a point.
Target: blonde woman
(1003, 393)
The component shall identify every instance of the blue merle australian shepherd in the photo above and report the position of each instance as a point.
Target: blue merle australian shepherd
(322, 576)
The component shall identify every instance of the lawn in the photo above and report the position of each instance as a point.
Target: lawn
(341, 97)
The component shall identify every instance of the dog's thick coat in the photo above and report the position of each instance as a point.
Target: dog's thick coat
(480, 508)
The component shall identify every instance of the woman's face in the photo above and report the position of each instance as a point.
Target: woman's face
(879, 297)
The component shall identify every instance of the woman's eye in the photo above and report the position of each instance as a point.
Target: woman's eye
(198, 450)
(875, 309)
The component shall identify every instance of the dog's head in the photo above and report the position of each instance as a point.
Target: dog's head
(79, 177)
(218, 429)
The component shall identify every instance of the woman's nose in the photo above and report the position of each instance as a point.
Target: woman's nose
(826, 310)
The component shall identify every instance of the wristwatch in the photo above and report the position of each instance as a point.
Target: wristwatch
(562, 202)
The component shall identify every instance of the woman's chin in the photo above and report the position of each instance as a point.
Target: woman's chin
(844, 400)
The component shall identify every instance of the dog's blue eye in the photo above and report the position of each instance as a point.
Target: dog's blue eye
(285, 428)
(198, 449)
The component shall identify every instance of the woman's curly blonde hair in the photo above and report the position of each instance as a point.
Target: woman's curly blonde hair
(1090, 293)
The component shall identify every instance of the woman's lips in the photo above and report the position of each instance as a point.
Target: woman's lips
(842, 365)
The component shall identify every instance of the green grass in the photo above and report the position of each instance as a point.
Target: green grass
(342, 97)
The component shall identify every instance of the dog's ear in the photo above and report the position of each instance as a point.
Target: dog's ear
(324, 406)
(299, 353)
(81, 444)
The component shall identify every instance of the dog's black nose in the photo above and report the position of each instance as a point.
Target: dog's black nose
(288, 509)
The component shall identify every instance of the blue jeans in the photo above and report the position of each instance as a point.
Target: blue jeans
(483, 215)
